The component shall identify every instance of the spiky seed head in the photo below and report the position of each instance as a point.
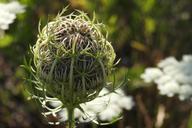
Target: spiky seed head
(72, 58)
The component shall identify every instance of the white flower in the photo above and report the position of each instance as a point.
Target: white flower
(63, 115)
(107, 106)
(151, 74)
(167, 62)
(12, 7)
(126, 102)
(163, 79)
(6, 18)
(175, 78)
(8, 13)
(170, 88)
(171, 69)
(183, 78)
(185, 92)
(110, 112)
(187, 58)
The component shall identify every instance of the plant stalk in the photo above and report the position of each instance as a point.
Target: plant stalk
(71, 120)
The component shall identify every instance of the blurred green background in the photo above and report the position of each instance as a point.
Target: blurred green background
(142, 32)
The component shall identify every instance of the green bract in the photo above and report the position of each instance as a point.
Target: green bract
(72, 58)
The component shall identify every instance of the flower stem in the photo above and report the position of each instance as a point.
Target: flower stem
(71, 120)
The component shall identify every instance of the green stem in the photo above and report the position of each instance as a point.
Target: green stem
(71, 119)
(70, 109)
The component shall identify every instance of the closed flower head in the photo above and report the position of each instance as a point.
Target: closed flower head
(72, 58)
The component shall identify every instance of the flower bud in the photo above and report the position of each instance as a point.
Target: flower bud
(72, 58)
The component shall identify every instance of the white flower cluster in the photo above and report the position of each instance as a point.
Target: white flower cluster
(8, 13)
(105, 107)
(172, 77)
